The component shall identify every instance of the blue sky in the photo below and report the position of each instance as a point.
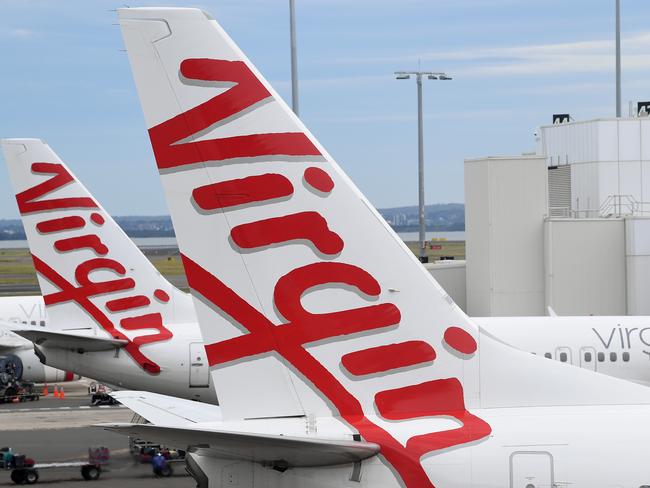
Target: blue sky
(64, 78)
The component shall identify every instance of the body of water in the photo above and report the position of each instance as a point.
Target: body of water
(171, 241)
(13, 244)
(450, 236)
(139, 241)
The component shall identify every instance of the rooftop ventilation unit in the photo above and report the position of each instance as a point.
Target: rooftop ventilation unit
(561, 119)
(642, 109)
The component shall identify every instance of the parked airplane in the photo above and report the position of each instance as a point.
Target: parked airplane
(613, 345)
(23, 310)
(617, 346)
(112, 316)
(338, 359)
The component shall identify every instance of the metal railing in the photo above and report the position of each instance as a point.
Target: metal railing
(612, 206)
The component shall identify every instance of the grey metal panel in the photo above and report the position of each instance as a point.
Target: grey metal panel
(451, 276)
(585, 266)
(506, 202)
(559, 190)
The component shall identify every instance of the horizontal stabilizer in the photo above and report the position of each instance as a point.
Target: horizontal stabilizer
(167, 410)
(268, 450)
(61, 340)
(9, 340)
(6, 348)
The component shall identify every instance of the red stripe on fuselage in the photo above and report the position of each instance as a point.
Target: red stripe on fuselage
(267, 336)
(128, 303)
(27, 200)
(385, 358)
(90, 241)
(246, 92)
(62, 224)
(81, 296)
(308, 226)
(251, 189)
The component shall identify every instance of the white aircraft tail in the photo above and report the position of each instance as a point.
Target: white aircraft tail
(310, 305)
(91, 274)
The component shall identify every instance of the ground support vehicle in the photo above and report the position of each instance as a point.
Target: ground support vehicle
(12, 388)
(143, 452)
(25, 471)
(19, 391)
(100, 395)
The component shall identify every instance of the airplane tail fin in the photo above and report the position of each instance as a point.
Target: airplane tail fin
(305, 296)
(92, 276)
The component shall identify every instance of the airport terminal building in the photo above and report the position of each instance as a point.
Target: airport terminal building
(566, 228)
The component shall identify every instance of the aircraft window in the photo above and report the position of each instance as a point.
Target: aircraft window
(33, 322)
(601, 357)
(42, 323)
(563, 357)
(612, 357)
(626, 356)
(548, 355)
(587, 357)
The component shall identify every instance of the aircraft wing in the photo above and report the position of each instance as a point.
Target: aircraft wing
(61, 340)
(264, 449)
(166, 410)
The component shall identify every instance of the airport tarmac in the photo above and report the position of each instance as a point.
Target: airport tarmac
(71, 444)
(17, 275)
(54, 430)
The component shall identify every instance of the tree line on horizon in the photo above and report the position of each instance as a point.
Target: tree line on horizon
(441, 217)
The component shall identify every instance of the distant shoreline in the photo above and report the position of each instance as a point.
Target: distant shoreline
(407, 229)
(441, 218)
(157, 241)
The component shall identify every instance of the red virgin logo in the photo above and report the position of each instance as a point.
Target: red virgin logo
(437, 397)
(85, 288)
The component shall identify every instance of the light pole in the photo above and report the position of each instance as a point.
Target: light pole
(618, 58)
(405, 75)
(294, 60)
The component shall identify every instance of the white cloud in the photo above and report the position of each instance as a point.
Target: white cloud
(19, 33)
(334, 81)
(391, 118)
(537, 59)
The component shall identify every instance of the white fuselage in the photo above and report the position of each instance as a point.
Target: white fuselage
(23, 310)
(616, 346)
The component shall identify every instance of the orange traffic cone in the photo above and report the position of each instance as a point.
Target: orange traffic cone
(56, 391)
(45, 391)
(61, 394)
